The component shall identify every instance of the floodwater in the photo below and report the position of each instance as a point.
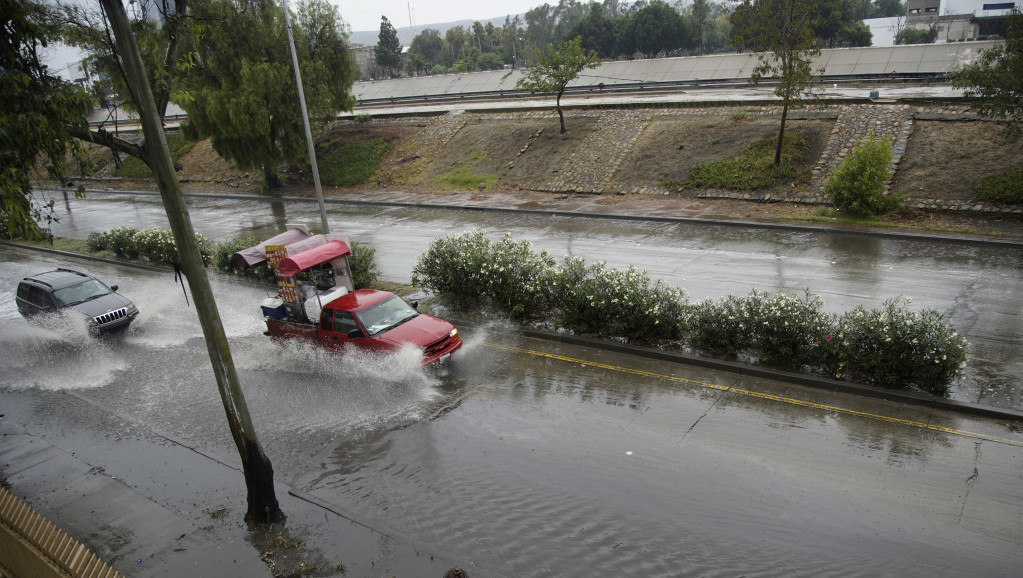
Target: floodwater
(533, 459)
(978, 287)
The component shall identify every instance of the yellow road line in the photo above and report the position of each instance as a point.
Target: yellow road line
(757, 394)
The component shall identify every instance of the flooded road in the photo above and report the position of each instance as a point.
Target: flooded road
(534, 459)
(979, 287)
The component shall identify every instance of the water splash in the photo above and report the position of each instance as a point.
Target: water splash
(56, 352)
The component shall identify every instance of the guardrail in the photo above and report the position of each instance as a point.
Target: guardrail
(618, 89)
(646, 87)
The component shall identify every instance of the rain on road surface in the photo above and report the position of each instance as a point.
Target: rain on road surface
(533, 459)
(979, 287)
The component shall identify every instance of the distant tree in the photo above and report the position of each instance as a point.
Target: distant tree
(569, 13)
(885, 9)
(456, 39)
(598, 31)
(540, 23)
(511, 38)
(36, 110)
(554, 69)
(429, 45)
(490, 61)
(388, 48)
(855, 34)
(917, 36)
(835, 16)
(249, 107)
(782, 31)
(994, 83)
(653, 29)
(699, 13)
(477, 34)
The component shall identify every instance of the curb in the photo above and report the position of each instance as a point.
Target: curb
(863, 390)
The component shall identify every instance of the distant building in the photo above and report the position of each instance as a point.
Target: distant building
(953, 24)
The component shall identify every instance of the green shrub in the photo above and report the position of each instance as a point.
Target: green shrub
(364, 268)
(778, 329)
(857, 187)
(618, 302)
(754, 169)
(156, 245)
(471, 270)
(786, 331)
(96, 242)
(893, 346)
(122, 242)
(720, 325)
(1006, 187)
(351, 164)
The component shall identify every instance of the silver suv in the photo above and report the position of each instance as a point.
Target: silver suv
(68, 289)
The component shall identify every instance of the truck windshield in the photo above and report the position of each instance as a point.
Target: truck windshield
(385, 315)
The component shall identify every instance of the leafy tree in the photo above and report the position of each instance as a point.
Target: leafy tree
(554, 69)
(782, 31)
(388, 48)
(249, 105)
(699, 12)
(511, 37)
(540, 22)
(456, 39)
(855, 34)
(834, 15)
(416, 65)
(490, 61)
(598, 31)
(429, 45)
(994, 83)
(35, 111)
(653, 29)
(884, 9)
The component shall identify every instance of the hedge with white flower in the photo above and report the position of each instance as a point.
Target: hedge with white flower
(154, 245)
(891, 346)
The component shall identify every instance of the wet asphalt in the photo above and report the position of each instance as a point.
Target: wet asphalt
(98, 483)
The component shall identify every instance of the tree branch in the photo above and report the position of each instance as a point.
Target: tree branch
(104, 138)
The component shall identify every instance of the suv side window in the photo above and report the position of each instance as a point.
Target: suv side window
(43, 298)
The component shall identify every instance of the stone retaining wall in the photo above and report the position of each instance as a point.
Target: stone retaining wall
(591, 168)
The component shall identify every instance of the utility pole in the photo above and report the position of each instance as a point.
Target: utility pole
(305, 120)
(262, 498)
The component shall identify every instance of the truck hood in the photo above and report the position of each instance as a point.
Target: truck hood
(421, 330)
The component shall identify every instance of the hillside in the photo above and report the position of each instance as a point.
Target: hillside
(942, 154)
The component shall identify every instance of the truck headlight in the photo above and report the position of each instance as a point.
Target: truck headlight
(453, 334)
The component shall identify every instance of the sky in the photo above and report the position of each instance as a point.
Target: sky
(363, 15)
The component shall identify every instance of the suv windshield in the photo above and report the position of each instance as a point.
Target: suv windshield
(80, 293)
(385, 315)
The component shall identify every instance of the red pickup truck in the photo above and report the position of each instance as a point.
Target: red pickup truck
(374, 320)
(316, 301)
